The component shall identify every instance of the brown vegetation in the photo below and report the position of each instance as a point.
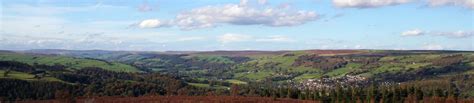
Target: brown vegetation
(226, 99)
(177, 99)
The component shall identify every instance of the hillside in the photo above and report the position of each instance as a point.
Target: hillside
(34, 67)
(70, 63)
(279, 74)
(293, 65)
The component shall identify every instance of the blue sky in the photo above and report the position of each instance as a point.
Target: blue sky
(202, 25)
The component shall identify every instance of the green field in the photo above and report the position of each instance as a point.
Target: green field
(25, 76)
(70, 62)
(257, 67)
(254, 75)
(212, 59)
(343, 71)
(307, 76)
(234, 81)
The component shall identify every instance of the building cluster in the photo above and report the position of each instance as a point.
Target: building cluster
(347, 80)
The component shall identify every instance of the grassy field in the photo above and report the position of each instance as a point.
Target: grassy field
(259, 68)
(25, 76)
(212, 59)
(261, 63)
(70, 62)
(307, 76)
(254, 75)
(343, 71)
(471, 64)
(200, 85)
(235, 81)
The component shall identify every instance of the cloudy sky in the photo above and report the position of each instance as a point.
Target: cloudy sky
(162, 25)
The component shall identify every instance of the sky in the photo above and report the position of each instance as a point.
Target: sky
(205, 25)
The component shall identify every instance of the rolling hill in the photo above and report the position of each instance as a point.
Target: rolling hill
(293, 65)
(218, 72)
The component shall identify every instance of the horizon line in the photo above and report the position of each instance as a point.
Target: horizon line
(256, 50)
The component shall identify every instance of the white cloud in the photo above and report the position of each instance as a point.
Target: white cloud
(247, 2)
(107, 41)
(152, 23)
(262, 2)
(28, 27)
(463, 3)
(414, 32)
(456, 34)
(22, 9)
(190, 38)
(284, 6)
(275, 38)
(381, 3)
(432, 47)
(212, 16)
(241, 14)
(49, 10)
(230, 37)
(367, 3)
(357, 47)
(244, 2)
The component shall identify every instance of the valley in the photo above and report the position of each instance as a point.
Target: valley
(239, 73)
